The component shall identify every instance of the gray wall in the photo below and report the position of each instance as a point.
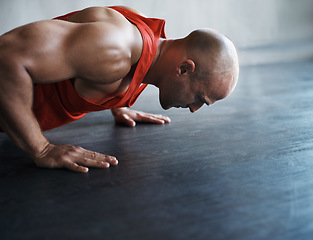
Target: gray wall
(263, 30)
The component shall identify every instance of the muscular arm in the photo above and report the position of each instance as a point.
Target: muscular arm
(28, 56)
(16, 117)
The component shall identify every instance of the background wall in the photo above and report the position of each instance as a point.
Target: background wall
(263, 30)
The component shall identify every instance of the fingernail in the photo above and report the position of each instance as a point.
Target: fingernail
(106, 164)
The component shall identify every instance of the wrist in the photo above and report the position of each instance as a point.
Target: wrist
(39, 149)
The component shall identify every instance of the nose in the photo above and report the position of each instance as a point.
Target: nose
(195, 106)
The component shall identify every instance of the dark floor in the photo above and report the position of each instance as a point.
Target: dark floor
(241, 169)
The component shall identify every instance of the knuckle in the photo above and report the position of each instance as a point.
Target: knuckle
(68, 154)
(71, 151)
(77, 149)
(94, 155)
(69, 148)
(110, 158)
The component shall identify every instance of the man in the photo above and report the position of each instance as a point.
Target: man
(54, 72)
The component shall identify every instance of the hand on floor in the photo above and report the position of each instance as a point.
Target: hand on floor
(129, 117)
(73, 158)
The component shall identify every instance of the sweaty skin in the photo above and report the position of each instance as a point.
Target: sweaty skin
(30, 54)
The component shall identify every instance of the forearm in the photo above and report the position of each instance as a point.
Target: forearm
(23, 129)
(17, 118)
(19, 122)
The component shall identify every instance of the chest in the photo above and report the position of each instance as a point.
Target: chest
(100, 93)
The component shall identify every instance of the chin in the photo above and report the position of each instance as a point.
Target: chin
(164, 106)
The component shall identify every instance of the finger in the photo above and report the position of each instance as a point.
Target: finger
(156, 118)
(75, 167)
(98, 157)
(128, 121)
(151, 119)
(92, 163)
(164, 118)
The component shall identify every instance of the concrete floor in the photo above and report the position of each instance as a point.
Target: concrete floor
(240, 169)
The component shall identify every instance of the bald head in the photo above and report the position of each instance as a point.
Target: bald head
(214, 56)
(200, 68)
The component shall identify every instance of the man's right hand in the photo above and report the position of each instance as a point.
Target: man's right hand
(73, 158)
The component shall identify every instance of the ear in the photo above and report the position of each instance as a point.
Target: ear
(185, 67)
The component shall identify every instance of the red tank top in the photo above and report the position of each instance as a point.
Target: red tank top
(57, 104)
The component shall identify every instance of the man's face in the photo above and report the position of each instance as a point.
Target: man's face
(185, 93)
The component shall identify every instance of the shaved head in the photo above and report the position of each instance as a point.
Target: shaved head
(214, 54)
(201, 68)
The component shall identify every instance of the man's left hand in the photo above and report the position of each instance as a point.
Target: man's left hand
(129, 117)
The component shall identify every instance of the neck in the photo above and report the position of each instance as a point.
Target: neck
(160, 62)
(152, 76)
(159, 50)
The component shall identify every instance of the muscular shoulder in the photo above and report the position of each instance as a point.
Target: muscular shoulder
(52, 50)
(109, 48)
(133, 10)
(100, 14)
